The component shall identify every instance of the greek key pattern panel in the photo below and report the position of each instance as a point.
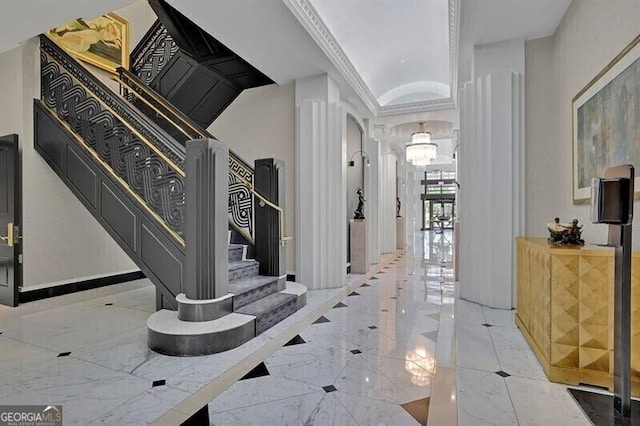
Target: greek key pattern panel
(67, 66)
(240, 198)
(156, 53)
(151, 178)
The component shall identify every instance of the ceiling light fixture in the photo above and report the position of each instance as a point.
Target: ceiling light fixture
(421, 151)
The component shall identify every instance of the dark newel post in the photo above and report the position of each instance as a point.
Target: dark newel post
(206, 228)
(269, 182)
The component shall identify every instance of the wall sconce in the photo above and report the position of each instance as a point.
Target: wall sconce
(403, 182)
(363, 155)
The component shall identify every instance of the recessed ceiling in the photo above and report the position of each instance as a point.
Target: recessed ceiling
(490, 21)
(400, 48)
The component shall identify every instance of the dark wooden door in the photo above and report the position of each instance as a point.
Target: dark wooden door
(10, 221)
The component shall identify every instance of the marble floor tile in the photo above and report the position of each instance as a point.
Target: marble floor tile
(469, 312)
(129, 353)
(368, 411)
(67, 329)
(85, 390)
(362, 378)
(210, 367)
(543, 403)
(142, 409)
(318, 372)
(330, 411)
(317, 348)
(475, 348)
(500, 317)
(483, 399)
(514, 354)
(293, 411)
(20, 356)
(142, 299)
(251, 392)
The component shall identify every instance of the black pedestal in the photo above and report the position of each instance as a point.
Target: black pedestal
(599, 409)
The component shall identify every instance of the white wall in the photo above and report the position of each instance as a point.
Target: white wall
(62, 241)
(590, 35)
(260, 123)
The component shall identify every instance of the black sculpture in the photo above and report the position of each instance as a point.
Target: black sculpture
(359, 214)
(398, 205)
(565, 235)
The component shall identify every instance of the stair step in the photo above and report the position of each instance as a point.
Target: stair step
(171, 336)
(270, 310)
(242, 269)
(236, 252)
(249, 290)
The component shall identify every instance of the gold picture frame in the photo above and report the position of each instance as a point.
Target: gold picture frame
(605, 121)
(102, 42)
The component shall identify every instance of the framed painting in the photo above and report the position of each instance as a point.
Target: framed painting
(102, 42)
(606, 122)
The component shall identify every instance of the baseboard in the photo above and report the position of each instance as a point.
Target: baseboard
(26, 296)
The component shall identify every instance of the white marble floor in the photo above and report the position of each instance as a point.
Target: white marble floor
(389, 348)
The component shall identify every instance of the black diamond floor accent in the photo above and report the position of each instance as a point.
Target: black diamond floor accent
(419, 410)
(158, 383)
(297, 340)
(394, 297)
(108, 304)
(365, 285)
(372, 327)
(200, 418)
(356, 351)
(487, 325)
(354, 293)
(259, 371)
(431, 335)
(375, 278)
(64, 354)
(435, 316)
(321, 320)
(599, 408)
(384, 310)
(329, 388)
(340, 305)
(503, 374)
(400, 288)
(380, 272)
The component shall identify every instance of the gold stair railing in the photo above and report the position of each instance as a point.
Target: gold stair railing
(239, 170)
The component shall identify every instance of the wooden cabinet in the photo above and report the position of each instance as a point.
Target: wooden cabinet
(565, 311)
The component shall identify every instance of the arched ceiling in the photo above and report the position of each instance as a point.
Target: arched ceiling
(400, 48)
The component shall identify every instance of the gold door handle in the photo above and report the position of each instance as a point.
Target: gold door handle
(11, 234)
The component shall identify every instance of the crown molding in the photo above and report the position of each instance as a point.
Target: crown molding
(306, 14)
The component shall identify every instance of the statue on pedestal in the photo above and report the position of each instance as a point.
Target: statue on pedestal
(359, 213)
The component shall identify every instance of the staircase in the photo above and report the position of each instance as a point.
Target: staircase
(154, 178)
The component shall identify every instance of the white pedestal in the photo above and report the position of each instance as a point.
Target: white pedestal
(359, 237)
(400, 232)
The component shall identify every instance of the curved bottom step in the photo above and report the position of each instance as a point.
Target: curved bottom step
(168, 335)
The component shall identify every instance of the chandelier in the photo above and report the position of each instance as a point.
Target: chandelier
(421, 151)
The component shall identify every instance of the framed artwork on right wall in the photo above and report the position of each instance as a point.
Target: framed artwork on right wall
(606, 122)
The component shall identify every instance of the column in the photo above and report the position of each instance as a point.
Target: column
(321, 161)
(492, 174)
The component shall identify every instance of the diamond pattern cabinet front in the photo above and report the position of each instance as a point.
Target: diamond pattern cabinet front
(565, 311)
